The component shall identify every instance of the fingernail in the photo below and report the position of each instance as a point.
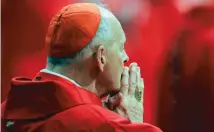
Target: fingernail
(125, 70)
(133, 68)
(133, 64)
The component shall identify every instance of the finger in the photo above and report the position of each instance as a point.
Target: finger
(138, 78)
(125, 81)
(132, 78)
(141, 86)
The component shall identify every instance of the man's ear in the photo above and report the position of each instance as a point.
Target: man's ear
(101, 58)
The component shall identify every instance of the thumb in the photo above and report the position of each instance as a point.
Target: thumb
(115, 101)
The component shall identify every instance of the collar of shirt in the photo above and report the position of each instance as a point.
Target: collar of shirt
(60, 75)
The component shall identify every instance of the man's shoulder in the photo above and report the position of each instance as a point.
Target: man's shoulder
(96, 118)
(85, 117)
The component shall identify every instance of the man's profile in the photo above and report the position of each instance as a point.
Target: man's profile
(85, 62)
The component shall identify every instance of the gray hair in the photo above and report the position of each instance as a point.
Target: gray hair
(103, 36)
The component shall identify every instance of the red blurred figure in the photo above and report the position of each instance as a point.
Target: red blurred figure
(186, 84)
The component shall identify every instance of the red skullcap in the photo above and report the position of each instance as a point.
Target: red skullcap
(72, 29)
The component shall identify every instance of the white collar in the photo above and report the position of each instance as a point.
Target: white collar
(60, 75)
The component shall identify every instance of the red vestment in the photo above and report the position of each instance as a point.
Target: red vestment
(50, 103)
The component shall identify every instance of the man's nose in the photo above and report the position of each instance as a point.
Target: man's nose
(126, 58)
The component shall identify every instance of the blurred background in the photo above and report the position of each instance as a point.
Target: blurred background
(171, 40)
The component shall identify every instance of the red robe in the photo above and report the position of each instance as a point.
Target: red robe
(50, 103)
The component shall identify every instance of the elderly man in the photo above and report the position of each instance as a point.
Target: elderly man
(86, 54)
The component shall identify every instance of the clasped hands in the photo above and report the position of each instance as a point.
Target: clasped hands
(128, 102)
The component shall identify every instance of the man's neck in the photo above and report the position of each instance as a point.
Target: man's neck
(60, 75)
(80, 78)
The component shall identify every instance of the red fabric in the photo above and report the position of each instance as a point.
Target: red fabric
(50, 103)
(72, 29)
(186, 81)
